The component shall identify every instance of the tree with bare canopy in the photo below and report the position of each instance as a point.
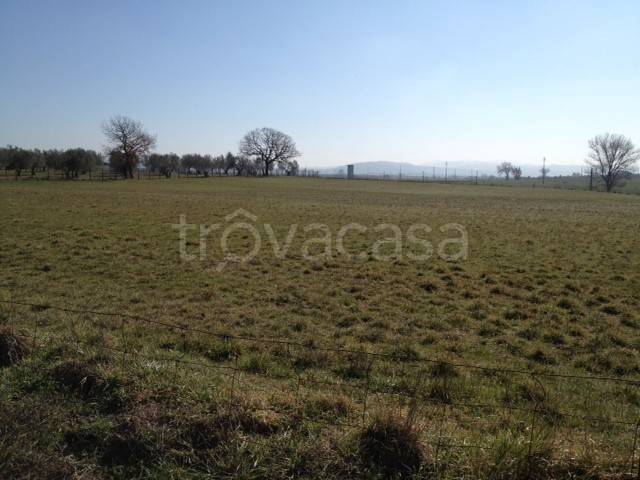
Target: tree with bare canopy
(268, 147)
(612, 156)
(516, 172)
(505, 168)
(128, 141)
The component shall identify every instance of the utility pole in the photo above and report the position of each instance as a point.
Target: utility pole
(544, 168)
(591, 179)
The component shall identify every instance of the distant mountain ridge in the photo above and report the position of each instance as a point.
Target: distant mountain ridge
(461, 168)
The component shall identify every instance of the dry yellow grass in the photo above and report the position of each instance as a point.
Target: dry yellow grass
(550, 285)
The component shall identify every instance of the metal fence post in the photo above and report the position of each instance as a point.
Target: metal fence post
(123, 336)
(633, 450)
(443, 414)
(366, 392)
(35, 331)
(534, 416)
(233, 377)
(179, 358)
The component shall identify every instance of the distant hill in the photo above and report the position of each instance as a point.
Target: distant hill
(461, 168)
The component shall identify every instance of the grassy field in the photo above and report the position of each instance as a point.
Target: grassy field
(550, 286)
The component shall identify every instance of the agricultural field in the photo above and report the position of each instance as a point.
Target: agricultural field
(128, 351)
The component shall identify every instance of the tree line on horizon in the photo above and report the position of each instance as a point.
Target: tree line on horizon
(611, 156)
(260, 151)
(130, 146)
(74, 162)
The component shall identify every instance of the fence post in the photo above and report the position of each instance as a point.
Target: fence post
(123, 335)
(35, 331)
(633, 450)
(443, 415)
(530, 445)
(180, 357)
(534, 415)
(366, 392)
(233, 377)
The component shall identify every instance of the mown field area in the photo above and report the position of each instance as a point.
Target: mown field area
(520, 361)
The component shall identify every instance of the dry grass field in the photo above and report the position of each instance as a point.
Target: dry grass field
(252, 369)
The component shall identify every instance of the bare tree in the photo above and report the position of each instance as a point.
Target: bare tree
(516, 172)
(611, 156)
(230, 162)
(505, 169)
(127, 137)
(246, 166)
(268, 146)
(290, 167)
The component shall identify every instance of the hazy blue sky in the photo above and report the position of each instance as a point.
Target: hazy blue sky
(418, 81)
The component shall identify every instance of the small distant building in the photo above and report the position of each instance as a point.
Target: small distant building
(350, 175)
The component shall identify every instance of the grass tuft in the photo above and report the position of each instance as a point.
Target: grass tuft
(390, 445)
(13, 348)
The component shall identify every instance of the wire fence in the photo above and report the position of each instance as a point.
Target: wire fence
(99, 174)
(440, 174)
(583, 180)
(466, 406)
(104, 173)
